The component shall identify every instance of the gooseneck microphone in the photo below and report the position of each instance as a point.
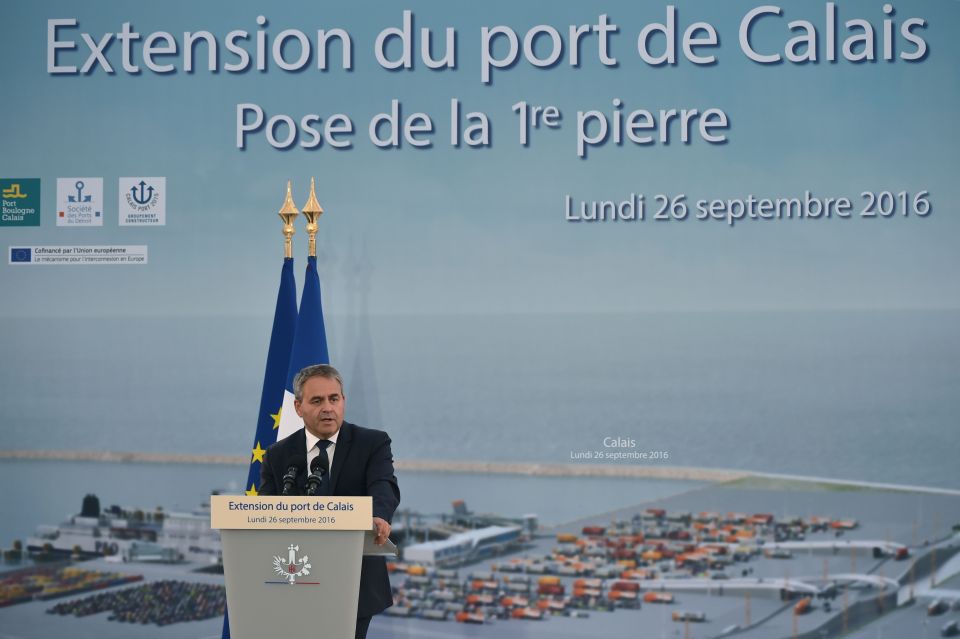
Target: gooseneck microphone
(290, 479)
(315, 479)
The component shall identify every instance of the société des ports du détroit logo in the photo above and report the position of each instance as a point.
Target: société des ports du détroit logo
(20, 201)
(80, 201)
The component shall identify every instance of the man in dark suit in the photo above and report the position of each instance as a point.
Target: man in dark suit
(360, 463)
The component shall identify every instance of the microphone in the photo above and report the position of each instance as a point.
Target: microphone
(321, 462)
(290, 479)
(315, 479)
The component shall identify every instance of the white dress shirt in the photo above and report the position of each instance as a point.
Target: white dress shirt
(313, 452)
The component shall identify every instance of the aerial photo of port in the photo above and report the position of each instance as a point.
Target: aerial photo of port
(708, 554)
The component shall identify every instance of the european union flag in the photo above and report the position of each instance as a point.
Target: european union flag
(274, 381)
(21, 255)
(275, 375)
(309, 345)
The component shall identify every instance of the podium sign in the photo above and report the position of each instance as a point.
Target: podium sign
(290, 513)
(292, 564)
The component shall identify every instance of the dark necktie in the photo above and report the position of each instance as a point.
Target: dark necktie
(324, 465)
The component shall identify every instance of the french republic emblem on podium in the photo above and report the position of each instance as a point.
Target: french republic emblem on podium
(291, 567)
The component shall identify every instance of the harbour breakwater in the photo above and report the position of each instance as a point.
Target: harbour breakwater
(532, 469)
(412, 465)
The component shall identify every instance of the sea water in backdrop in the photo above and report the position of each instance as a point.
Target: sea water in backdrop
(858, 395)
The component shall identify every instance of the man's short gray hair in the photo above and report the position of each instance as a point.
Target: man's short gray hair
(316, 370)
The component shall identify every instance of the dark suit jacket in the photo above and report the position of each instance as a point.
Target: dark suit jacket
(362, 466)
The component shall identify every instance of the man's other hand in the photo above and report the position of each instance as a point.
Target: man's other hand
(383, 531)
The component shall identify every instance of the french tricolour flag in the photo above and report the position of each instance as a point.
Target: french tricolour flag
(309, 346)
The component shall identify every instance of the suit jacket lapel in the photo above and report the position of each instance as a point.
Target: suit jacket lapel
(340, 455)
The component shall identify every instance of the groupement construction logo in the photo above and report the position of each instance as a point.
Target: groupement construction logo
(20, 201)
(143, 201)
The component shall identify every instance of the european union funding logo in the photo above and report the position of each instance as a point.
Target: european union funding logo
(22, 255)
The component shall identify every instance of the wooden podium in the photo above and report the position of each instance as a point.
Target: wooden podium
(292, 564)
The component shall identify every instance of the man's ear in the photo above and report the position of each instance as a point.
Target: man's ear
(296, 407)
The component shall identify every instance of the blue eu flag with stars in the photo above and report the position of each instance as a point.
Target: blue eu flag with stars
(274, 381)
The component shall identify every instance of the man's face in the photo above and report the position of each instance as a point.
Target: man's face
(321, 407)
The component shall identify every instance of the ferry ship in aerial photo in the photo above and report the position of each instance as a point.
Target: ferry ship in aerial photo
(131, 535)
(806, 559)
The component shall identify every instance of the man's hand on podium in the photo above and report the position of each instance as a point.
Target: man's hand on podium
(383, 531)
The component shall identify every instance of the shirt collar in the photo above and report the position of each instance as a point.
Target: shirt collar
(312, 441)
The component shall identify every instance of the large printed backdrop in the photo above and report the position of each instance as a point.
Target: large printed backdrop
(474, 321)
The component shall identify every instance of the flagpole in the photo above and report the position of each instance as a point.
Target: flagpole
(312, 211)
(288, 213)
(310, 337)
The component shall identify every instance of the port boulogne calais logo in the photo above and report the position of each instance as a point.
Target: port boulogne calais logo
(20, 202)
(291, 567)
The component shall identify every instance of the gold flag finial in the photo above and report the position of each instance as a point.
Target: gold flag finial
(288, 213)
(312, 211)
